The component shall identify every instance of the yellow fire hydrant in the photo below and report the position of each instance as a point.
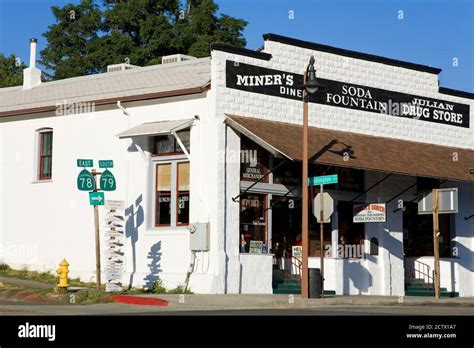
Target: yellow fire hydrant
(62, 272)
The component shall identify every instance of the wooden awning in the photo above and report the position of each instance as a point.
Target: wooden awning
(345, 149)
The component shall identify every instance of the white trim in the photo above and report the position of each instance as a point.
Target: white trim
(42, 181)
(36, 155)
(173, 160)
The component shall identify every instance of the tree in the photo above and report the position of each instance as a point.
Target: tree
(11, 71)
(138, 32)
(73, 40)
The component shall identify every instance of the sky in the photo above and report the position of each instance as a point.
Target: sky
(437, 33)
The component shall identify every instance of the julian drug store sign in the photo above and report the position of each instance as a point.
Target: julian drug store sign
(283, 84)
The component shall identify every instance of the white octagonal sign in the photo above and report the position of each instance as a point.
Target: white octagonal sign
(328, 206)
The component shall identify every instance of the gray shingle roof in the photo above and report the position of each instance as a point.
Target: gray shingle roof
(191, 74)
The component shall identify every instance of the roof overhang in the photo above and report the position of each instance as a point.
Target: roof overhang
(156, 128)
(359, 151)
(254, 137)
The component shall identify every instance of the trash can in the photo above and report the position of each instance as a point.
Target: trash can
(314, 283)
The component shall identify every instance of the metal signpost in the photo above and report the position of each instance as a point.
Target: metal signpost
(323, 198)
(86, 181)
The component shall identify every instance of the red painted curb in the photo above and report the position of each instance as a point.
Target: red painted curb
(138, 300)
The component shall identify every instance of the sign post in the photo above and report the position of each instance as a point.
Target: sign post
(321, 181)
(97, 234)
(321, 237)
(86, 181)
(436, 243)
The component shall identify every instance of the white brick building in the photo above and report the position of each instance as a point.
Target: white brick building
(242, 100)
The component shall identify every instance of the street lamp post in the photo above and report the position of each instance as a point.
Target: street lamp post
(310, 86)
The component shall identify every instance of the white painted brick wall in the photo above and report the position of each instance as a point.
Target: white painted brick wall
(344, 69)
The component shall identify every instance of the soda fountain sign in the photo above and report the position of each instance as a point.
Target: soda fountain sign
(283, 84)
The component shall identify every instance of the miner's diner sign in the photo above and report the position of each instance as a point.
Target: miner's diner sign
(284, 84)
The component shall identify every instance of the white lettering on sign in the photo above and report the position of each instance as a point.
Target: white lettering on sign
(264, 80)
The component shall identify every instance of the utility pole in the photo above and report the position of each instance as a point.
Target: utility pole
(304, 188)
(97, 233)
(436, 243)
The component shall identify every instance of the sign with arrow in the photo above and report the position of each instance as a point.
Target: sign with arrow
(85, 181)
(107, 181)
(96, 198)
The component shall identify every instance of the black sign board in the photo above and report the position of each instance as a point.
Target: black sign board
(283, 84)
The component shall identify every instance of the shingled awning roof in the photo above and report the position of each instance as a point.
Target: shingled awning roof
(366, 152)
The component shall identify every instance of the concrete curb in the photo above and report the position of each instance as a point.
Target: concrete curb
(231, 302)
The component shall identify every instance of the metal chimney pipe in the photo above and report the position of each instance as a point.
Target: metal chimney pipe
(33, 53)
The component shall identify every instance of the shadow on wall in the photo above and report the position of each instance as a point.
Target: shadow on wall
(353, 271)
(135, 217)
(154, 255)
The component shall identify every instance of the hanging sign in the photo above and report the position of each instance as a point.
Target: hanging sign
(373, 212)
(256, 79)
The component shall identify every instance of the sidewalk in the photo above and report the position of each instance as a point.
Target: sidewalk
(223, 302)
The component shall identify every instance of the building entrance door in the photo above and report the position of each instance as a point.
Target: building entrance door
(286, 224)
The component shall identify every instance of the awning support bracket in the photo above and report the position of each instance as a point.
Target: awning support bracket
(181, 145)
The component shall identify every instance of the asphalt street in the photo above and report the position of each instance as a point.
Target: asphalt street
(18, 308)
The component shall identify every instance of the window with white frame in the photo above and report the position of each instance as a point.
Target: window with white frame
(172, 193)
(44, 154)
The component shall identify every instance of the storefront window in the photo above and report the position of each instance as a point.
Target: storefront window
(418, 233)
(350, 179)
(315, 239)
(253, 223)
(183, 194)
(288, 173)
(254, 161)
(351, 235)
(163, 194)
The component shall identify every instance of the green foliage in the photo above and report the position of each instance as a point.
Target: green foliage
(87, 37)
(11, 71)
(158, 288)
(72, 40)
(180, 290)
(4, 267)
